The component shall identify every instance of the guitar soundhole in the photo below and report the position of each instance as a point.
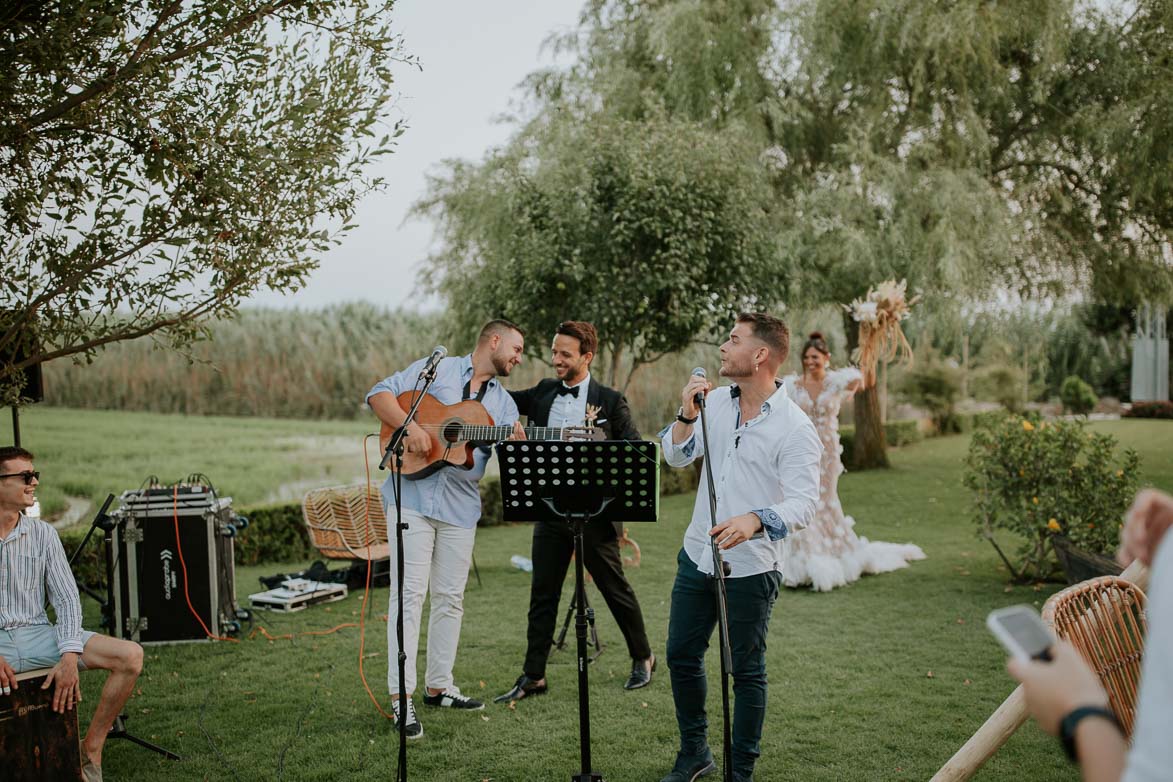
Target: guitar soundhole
(451, 431)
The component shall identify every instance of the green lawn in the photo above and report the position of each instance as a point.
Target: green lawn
(882, 680)
(87, 453)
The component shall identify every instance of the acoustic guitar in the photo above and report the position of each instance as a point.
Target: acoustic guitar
(457, 430)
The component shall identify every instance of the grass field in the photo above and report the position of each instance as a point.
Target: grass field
(84, 454)
(881, 680)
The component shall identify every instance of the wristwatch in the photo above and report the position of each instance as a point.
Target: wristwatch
(1068, 724)
(680, 416)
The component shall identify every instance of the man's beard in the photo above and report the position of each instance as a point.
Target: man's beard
(501, 363)
(734, 370)
(574, 373)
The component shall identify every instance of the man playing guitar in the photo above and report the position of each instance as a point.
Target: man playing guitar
(441, 512)
(566, 401)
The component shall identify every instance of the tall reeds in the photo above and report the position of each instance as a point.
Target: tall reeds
(318, 364)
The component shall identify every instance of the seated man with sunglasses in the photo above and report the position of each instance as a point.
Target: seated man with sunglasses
(33, 567)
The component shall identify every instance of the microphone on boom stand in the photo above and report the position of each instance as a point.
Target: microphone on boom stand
(433, 360)
(428, 375)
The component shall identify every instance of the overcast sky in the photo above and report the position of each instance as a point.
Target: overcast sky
(474, 54)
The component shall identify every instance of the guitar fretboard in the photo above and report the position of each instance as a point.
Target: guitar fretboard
(482, 434)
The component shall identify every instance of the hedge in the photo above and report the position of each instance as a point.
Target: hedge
(1149, 410)
(908, 430)
(277, 533)
(672, 481)
(897, 433)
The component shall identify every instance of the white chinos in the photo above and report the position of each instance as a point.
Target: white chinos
(439, 553)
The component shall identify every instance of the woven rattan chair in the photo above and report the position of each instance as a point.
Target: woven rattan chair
(1104, 618)
(1126, 592)
(337, 520)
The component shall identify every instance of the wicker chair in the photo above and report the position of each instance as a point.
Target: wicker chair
(1063, 611)
(337, 520)
(1104, 618)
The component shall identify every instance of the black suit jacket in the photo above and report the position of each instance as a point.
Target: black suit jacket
(535, 404)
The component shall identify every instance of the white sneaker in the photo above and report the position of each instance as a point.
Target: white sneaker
(413, 729)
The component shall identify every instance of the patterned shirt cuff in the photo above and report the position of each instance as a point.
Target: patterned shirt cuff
(688, 447)
(772, 523)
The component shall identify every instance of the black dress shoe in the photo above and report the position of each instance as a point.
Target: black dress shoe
(641, 673)
(523, 688)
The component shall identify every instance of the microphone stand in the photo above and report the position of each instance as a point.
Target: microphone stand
(721, 570)
(395, 448)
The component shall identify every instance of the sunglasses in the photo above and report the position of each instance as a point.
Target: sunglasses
(28, 475)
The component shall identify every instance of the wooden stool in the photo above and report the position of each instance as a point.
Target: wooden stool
(36, 742)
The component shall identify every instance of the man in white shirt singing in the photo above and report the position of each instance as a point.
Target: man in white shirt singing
(764, 454)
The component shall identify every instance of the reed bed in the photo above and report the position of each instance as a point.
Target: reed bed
(318, 364)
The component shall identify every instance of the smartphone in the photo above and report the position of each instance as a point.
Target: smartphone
(1022, 632)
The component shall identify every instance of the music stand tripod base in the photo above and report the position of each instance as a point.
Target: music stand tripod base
(580, 483)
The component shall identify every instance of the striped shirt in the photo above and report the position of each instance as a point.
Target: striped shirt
(33, 569)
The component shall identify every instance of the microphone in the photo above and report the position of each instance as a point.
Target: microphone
(434, 359)
(699, 372)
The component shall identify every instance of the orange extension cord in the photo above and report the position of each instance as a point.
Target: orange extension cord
(190, 607)
(183, 567)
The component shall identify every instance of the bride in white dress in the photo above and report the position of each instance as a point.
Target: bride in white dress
(828, 553)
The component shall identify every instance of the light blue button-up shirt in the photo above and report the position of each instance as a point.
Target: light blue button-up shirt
(451, 494)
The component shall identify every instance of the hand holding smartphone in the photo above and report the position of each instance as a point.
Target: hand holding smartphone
(1022, 631)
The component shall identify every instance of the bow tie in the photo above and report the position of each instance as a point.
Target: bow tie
(562, 389)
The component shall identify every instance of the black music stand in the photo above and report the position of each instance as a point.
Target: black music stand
(580, 482)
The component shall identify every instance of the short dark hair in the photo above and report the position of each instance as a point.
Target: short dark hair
(498, 326)
(585, 333)
(10, 452)
(773, 331)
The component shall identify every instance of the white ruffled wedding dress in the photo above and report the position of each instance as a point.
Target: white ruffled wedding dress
(828, 553)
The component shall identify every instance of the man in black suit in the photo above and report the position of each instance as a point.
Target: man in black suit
(567, 401)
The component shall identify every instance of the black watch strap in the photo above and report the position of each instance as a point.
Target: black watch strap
(680, 417)
(1068, 724)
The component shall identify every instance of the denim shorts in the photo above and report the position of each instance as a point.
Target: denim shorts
(35, 646)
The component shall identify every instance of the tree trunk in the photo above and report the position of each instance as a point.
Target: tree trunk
(870, 449)
(616, 360)
(965, 366)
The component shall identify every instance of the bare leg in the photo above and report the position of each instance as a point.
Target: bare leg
(124, 661)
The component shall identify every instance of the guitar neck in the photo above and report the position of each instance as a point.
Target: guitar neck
(486, 434)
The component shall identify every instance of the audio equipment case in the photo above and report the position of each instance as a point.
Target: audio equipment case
(173, 559)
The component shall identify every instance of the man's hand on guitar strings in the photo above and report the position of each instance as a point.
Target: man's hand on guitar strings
(518, 432)
(417, 440)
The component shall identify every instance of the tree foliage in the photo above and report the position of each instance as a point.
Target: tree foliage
(974, 149)
(161, 161)
(655, 231)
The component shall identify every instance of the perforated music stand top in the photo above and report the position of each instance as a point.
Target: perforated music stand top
(577, 476)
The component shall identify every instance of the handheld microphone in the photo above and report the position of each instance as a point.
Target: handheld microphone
(434, 359)
(699, 372)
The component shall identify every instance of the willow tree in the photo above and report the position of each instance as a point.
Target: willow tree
(161, 161)
(655, 231)
(966, 147)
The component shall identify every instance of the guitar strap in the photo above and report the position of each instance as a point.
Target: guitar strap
(468, 390)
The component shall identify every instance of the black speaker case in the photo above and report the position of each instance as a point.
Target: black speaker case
(150, 606)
